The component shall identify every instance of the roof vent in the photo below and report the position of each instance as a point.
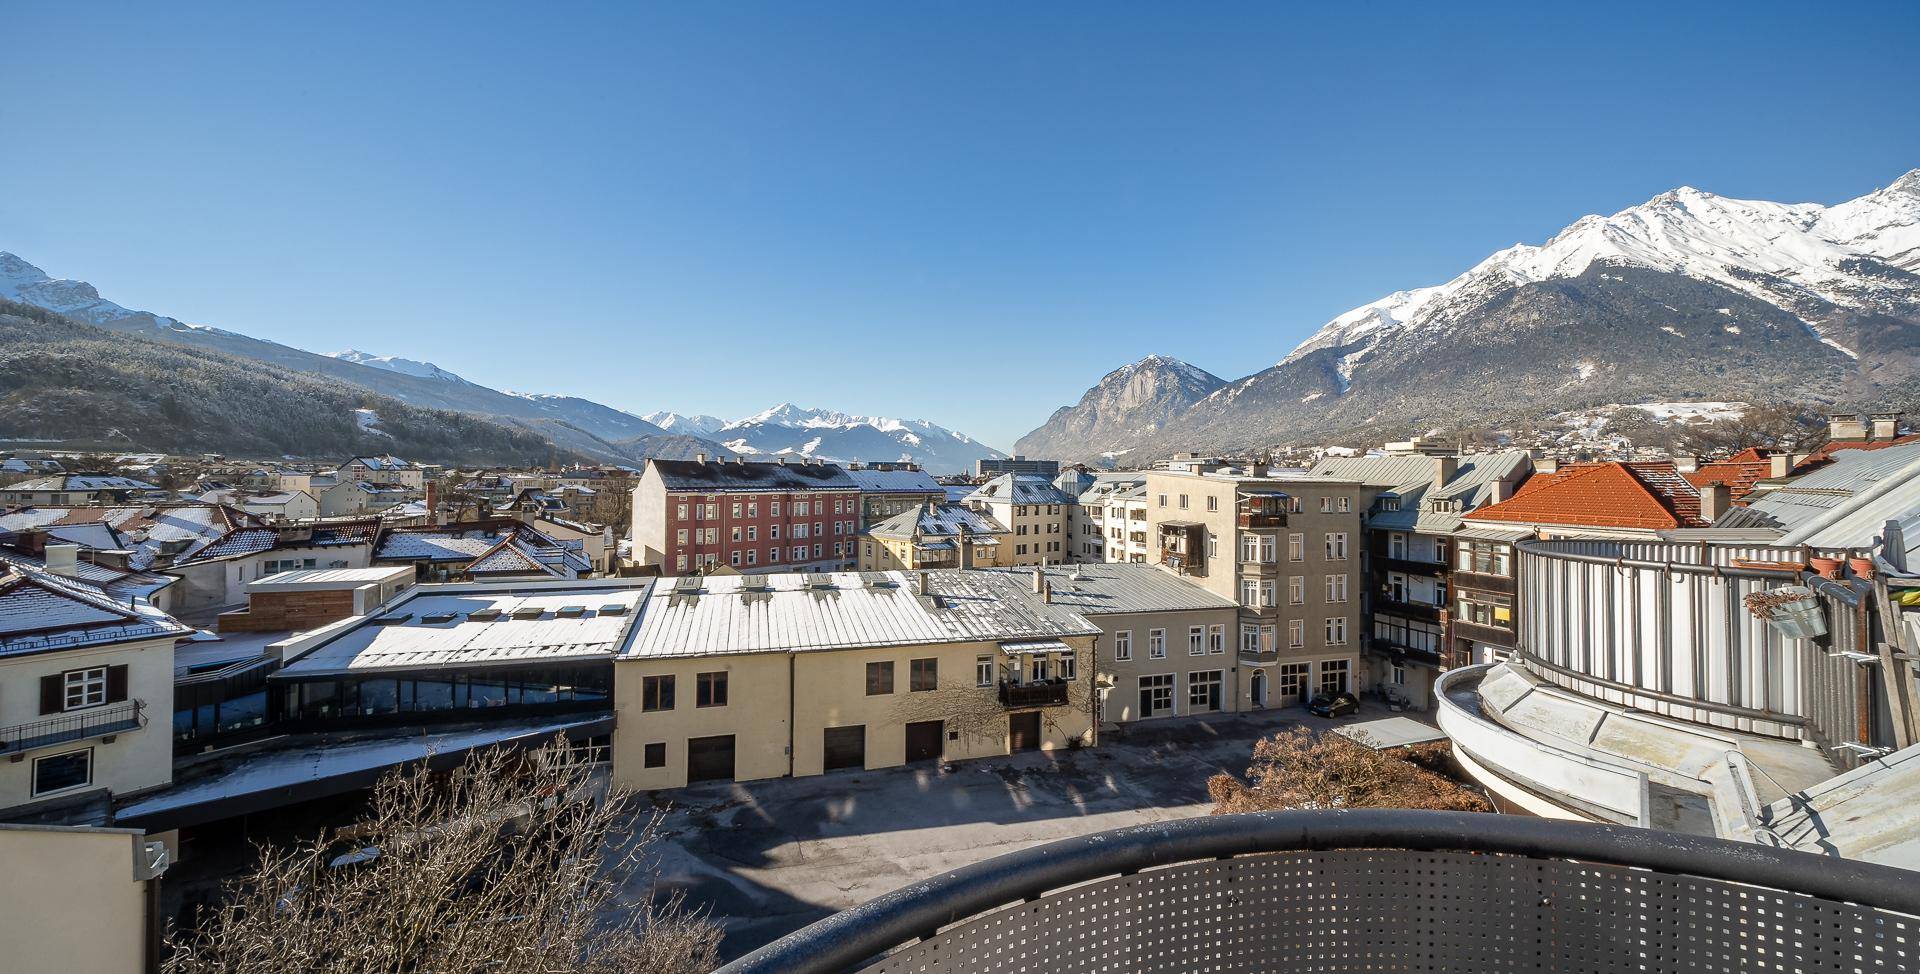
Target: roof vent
(393, 619)
(686, 585)
(484, 615)
(614, 609)
(436, 618)
(570, 612)
(820, 581)
(528, 612)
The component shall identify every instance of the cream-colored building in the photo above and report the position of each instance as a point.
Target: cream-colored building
(1287, 549)
(1110, 521)
(1166, 645)
(1035, 512)
(86, 692)
(760, 676)
(933, 535)
(79, 900)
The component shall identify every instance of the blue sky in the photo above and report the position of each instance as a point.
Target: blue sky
(964, 212)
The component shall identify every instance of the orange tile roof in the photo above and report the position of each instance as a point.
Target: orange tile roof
(1740, 475)
(1649, 495)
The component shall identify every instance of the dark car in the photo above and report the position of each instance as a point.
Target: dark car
(1333, 705)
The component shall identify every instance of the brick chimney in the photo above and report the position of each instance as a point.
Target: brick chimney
(1715, 498)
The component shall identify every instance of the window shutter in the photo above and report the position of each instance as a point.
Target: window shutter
(116, 683)
(53, 694)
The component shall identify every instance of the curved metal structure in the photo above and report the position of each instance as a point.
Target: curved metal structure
(1376, 890)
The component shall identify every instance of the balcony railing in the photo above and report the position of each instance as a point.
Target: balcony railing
(1254, 522)
(1376, 890)
(1259, 657)
(72, 727)
(1039, 693)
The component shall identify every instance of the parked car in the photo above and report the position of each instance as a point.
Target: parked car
(1333, 705)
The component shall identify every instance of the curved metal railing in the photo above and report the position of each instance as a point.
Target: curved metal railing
(1376, 890)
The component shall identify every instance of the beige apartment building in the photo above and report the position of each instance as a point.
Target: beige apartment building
(1166, 644)
(933, 535)
(1035, 512)
(1110, 521)
(760, 676)
(1287, 550)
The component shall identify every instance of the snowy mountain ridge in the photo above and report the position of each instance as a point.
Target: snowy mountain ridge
(404, 366)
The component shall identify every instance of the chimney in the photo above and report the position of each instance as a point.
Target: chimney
(922, 583)
(1846, 428)
(62, 559)
(1257, 468)
(1779, 465)
(1715, 498)
(1546, 465)
(1502, 490)
(1039, 580)
(1886, 426)
(433, 500)
(700, 458)
(964, 546)
(1443, 470)
(1686, 462)
(1046, 592)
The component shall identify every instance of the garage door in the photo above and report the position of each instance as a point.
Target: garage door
(846, 747)
(1023, 731)
(710, 759)
(924, 740)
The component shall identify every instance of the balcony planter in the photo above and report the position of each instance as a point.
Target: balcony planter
(1792, 609)
(1862, 567)
(1826, 567)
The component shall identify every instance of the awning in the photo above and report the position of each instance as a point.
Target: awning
(1035, 647)
(1488, 532)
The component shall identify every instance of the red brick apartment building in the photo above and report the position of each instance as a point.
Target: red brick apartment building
(778, 516)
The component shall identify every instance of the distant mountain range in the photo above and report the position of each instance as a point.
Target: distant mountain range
(579, 428)
(1687, 297)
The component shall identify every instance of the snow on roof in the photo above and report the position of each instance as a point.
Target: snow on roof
(66, 482)
(437, 631)
(798, 612)
(944, 520)
(1020, 488)
(1100, 589)
(514, 544)
(895, 482)
(42, 612)
(118, 584)
(328, 578)
(387, 462)
(736, 476)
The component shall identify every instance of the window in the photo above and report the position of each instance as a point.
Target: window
(61, 772)
(1337, 631)
(733, 558)
(1217, 638)
(1333, 676)
(1183, 502)
(799, 552)
(84, 688)
(1123, 645)
(983, 671)
(802, 508)
(680, 536)
(681, 514)
(1388, 502)
(1336, 546)
(1266, 594)
(1344, 504)
(753, 508)
(1398, 676)
(1326, 505)
(710, 690)
(1296, 634)
(1249, 547)
(1249, 591)
(680, 563)
(738, 509)
(773, 555)
(1156, 644)
(1156, 695)
(773, 532)
(1483, 557)
(1196, 640)
(1250, 639)
(1069, 665)
(1337, 588)
(1486, 610)
(753, 556)
(816, 551)
(656, 754)
(1213, 503)
(799, 531)
(879, 678)
(1293, 505)
(1203, 692)
(1296, 547)
(773, 508)
(1291, 680)
(1296, 590)
(656, 693)
(923, 674)
(1397, 546)
(753, 532)
(1162, 499)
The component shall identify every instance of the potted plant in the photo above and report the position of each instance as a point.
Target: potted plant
(1792, 609)
(1863, 567)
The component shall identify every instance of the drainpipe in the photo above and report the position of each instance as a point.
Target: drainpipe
(790, 713)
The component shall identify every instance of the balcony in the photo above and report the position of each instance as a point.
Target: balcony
(1039, 693)
(1409, 565)
(1375, 890)
(79, 726)
(1259, 657)
(1425, 611)
(1254, 521)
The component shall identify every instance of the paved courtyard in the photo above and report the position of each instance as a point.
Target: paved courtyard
(771, 856)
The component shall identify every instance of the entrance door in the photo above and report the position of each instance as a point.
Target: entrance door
(1259, 688)
(924, 740)
(710, 759)
(846, 748)
(1023, 731)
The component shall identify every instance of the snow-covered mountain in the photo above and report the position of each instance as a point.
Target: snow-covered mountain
(695, 425)
(1687, 296)
(790, 430)
(394, 363)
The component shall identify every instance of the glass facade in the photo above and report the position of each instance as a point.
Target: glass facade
(451, 691)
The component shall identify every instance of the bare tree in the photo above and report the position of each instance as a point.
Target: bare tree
(500, 866)
(1298, 769)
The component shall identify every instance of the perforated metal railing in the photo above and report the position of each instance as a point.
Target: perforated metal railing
(1376, 891)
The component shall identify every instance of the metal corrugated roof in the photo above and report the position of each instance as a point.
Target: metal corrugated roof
(895, 482)
(464, 642)
(1120, 587)
(782, 613)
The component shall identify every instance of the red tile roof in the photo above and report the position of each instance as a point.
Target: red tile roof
(1740, 475)
(1648, 495)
